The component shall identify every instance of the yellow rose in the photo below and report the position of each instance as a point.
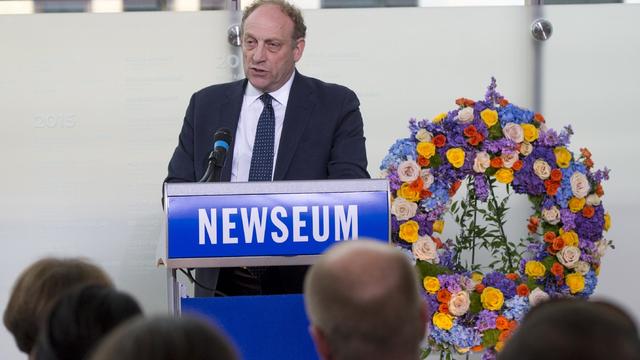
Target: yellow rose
(570, 238)
(431, 284)
(443, 321)
(576, 204)
(499, 346)
(530, 132)
(504, 175)
(607, 222)
(439, 118)
(563, 157)
(456, 157)
(534, 268)
(490, 117)
(408, 193)
(438, 226)
(409, 231)
(426, 149)
(575, 282)
(491, 298)
(477, 277)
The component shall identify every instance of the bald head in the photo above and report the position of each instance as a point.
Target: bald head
(363, 298)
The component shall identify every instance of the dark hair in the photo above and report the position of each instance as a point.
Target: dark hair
(80, 319)
(299, 28)
(38, 287)
(574, 329)
(166, 338)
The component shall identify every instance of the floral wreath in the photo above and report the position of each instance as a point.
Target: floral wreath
(484, 143)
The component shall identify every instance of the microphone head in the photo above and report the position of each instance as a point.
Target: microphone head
(222, 138)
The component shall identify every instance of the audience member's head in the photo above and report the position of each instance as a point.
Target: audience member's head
(166, 338)
(38, 287)
(80, 319)
(363, 302)
(563, 329)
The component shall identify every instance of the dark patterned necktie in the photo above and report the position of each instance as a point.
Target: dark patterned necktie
(262, 156)
(262, 161)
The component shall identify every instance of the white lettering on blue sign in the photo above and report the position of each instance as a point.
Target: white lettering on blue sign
(254, 221)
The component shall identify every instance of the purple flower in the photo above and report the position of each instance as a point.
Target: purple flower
(486, 320)
(500, 281)
(568, 219)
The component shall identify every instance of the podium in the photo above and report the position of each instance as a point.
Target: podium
(214, 225)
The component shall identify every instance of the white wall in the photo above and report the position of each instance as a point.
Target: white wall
(91, 105)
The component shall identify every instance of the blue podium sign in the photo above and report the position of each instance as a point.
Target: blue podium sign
(272, 219)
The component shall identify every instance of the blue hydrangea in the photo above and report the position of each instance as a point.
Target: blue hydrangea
(516, 307)
(402, 150)
(514, 114)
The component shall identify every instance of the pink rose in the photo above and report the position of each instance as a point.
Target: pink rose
(459, 303)
(427, 178)
(513, 132)
(403, 209)
(551, 215)
(509, 158)
(537, 296)
(579, 185)
(425, 249)
(526, 148)
(465, 115)
(542, 169)
(481, 162)
(408, 171)
(569, 256)
(423, 135)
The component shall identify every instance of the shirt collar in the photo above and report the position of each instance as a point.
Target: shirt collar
(281, 95)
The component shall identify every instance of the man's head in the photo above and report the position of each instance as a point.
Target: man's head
(574, 329)
(363, 301)
(273, 39)
(38, 288)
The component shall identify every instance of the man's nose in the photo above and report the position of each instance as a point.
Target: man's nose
(259, 53)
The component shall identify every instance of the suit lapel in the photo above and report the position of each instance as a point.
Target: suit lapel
(296, 118)
(229, 117)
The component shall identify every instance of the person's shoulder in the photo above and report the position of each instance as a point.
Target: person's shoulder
(327, 88)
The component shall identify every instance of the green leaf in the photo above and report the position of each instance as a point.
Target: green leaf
(435, 161)
(490, 337)
(548, 262)
(429, 269)
(495, 132)
(475, 305)
(425, 353)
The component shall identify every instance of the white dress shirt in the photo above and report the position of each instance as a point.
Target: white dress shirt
(248, 123)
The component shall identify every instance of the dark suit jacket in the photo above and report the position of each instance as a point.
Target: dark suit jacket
(322, 135)
(322, 138)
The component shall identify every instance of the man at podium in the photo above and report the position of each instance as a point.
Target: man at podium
(285, 126)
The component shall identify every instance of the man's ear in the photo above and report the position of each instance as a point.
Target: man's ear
(298, 49)
(320, 340)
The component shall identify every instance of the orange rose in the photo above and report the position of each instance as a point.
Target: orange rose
(522, 290)
(444, 295)
(470, 130)
(496, 162)
(465, 102)
(443, 308)
(454, 188)
(588, 212)
(503, 102)
(504, 335)
(423, 161)
(549, 236)
(512, 276)
(517, 165)
(479, 288)
(557, 269)
(557, 244)
(556, 175)
(538, 117)
(439, 140)
(475, 139)
(502, 323)
(599, 190)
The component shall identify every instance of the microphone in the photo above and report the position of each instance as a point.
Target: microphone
(221, 141)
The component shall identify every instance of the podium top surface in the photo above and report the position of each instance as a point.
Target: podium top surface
(275, 187)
